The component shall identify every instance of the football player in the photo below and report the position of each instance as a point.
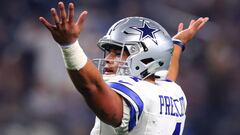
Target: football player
(126, 99)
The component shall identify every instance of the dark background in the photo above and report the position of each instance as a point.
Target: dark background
(38, 98)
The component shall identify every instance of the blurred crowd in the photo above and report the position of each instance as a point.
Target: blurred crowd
(38, 98)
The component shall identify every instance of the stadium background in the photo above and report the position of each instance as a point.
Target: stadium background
(38, 98)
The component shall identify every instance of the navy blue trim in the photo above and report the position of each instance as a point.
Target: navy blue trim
(130, 93)
(132, 121)
(167, 80)
(177, 129)
(121, 81)
(179, 43)
(136, 79)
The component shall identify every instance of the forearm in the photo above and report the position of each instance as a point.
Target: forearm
(173, 69)
(87, 79)
(184, 35)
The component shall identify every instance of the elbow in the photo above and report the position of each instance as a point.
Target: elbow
(113, 120)
(91, 88)
(87, 89)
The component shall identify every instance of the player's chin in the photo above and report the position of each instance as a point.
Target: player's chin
(109, 73)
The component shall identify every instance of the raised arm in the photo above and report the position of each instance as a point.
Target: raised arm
(106, 104)
(184, 35)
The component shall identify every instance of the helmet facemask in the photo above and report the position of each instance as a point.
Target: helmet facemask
(120, 65)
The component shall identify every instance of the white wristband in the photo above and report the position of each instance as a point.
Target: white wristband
(74, 56)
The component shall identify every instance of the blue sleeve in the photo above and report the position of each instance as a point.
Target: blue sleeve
(133, 101)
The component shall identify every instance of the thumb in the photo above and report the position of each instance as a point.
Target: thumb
(180, 27)
(81, 18)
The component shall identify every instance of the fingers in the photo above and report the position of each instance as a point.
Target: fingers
(81, 18)
(71, 13)
(55, 17)
(63, 13)
(191, 23)
(63, 19)
(180, 27)
(196, 24)
(46, 23)
(203, 23)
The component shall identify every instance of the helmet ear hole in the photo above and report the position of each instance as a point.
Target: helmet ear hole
(160, 63)
(147, 60)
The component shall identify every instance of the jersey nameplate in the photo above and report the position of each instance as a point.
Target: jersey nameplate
(171, 106)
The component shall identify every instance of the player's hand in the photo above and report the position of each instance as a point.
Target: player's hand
(185, 35)
(64, 30)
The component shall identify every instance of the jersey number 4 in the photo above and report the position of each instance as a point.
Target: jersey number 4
(177, 129)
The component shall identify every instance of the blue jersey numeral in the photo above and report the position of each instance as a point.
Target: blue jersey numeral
(177, 129)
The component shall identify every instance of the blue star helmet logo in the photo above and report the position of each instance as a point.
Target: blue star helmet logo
(146, 31)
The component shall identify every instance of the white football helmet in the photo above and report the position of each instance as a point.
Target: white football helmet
(148, 43)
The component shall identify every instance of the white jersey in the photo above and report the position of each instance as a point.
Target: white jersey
(148, 109)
